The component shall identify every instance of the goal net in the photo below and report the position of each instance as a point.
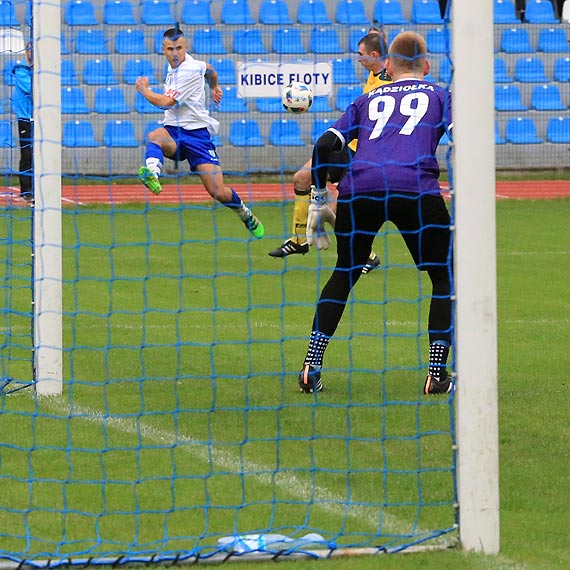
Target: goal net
(151, 346)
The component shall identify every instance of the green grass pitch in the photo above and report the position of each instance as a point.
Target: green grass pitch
(159, 301)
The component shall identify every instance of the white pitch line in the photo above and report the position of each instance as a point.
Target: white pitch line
(287, 482)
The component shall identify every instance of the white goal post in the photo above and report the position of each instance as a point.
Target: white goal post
(47, 233)
(475, 276)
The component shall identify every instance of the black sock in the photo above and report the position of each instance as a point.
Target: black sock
(317, 345)
(438, 352)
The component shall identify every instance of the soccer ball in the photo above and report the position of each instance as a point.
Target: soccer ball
(297, 97)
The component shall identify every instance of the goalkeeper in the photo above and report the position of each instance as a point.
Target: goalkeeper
(393, 176)
(372, 51)
(188, 126)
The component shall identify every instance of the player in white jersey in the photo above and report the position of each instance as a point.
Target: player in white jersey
(188, 126)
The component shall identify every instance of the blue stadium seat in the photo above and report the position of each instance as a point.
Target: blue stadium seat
(351, 12)
(530, 70)
(245, 133)
(28, 16)
(558, 130)
(540, 12)
(389, 12)
(91, 42)
(130, 41)
(64, 47)
(149, 127)
(505, 13)
(438, 40)
(208, 41)
(508, 98)
(521, 130)
(68, 75)
(6, 135)
(285, 132)
(501, 73)
(118, 13)
(78, 134)
(158, 37)
(553, 40)
(324, 40)
(343, 72)
(197, 12)
(269, 105)
(225, 68)
(354, 37)
(426, 12)
(274, 12)
(73, 101)
(444, 75)
(157, 13)
(320, 105)
(546, 98)
(444, 140)
(515, 40)
(346, 95)
(139, 68)
(287, 40)
(80, 13)
(8, 16)
(143, 107)
(248, 42)
(110, 100)
(99, 72)
(120, 134)
(231, 103)
(236, 12)
(312, 12)
(319, 127)
(562, 69)
(499, 138)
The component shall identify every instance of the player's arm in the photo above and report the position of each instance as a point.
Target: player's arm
(211, 77)
(160, 100)
(330, 141)
(319, 210)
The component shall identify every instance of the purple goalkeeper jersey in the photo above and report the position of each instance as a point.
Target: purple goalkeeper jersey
(398, 128)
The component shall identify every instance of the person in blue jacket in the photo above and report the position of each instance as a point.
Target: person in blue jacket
(22, 106)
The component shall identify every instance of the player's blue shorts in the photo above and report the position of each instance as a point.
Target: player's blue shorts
(195, 146)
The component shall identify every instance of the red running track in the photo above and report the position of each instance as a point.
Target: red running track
(176, 194)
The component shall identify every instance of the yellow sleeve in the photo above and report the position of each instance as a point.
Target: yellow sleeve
(373, 82)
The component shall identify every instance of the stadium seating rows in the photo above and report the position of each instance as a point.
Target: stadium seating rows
(84, 33)
(238, 12)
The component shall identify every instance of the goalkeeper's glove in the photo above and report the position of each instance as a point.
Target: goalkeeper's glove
(319, 213)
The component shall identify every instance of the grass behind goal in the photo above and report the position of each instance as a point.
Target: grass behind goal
(127, 436)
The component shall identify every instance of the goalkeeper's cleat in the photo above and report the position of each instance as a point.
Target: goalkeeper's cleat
(443, 385)
(372, 263)
(310, 379)
(150, 180)
(290, 247)
(254, 226)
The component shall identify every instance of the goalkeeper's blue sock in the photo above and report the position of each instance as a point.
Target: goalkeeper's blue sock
(317, 345)
(438, 352)
(154, 158)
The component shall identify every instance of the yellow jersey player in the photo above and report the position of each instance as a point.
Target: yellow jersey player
(372, 51)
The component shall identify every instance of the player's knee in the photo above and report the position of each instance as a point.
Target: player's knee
(302, 181)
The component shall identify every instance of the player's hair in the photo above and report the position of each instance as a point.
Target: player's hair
(407, 52)
(375, 41)
(173, 34)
